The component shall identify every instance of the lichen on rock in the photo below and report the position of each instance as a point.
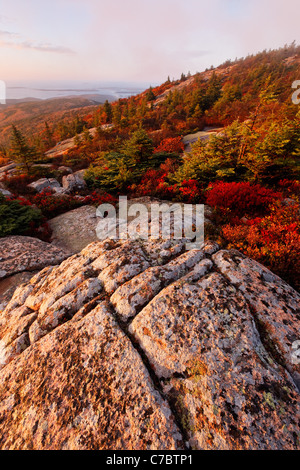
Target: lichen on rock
(143, 345)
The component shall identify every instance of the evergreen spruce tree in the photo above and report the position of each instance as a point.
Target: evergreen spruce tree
(21, 152)
(49, 139)
(77, 140)
(87, 136)
(108, 110)
(150, 96)
(117, 114)
(139, 147)
(78, 125)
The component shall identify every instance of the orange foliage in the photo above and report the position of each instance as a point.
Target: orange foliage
(171, 145)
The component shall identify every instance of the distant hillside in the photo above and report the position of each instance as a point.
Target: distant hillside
(213, 98)
(30, 116)
(228, 137)
(220, 95)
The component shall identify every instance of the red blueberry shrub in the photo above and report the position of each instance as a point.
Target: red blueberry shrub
(241, 199)
(273, 240)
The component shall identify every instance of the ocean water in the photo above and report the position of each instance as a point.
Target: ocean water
(57, 89)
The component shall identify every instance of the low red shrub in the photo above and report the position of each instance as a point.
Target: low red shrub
(190, 191)
(291, 188)
(18, 184)
(96, 199)
(52, 205)
(154, 184)
(171, 145)
(241, 199)
(274, 241)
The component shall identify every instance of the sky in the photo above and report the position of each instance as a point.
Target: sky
(136, 40)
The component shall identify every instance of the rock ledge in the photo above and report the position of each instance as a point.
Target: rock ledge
(143, 345)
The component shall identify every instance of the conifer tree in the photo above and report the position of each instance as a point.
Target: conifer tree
(150, 96)
(108, 111)
(49, 139)
(21, 152)
(139, 147)
(117, 114)
(77, 140)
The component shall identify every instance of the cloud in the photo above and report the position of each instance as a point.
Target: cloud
(8, 34)
(45, 47)
(139, 39)
(14, 40)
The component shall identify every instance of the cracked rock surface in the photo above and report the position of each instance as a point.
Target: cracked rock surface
(143, 345)
(25, 254)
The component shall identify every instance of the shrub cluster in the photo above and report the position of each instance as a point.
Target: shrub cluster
(273, 240)
(18, 218)
(45, 205)
(155, 183)
(241, 199)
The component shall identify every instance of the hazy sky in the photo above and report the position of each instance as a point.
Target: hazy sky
(139, 40)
